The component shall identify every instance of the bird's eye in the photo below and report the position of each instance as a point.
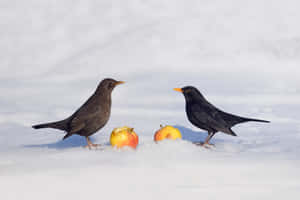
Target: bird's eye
(110, 85)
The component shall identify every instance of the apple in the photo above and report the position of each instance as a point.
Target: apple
(124, 136)
(167, 132)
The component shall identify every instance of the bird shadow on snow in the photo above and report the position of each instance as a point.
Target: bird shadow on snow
(194, 136)
(71, 142)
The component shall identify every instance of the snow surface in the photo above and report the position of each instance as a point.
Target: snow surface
(244, 56)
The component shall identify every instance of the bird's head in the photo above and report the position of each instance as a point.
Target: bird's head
(190, 93)
(108, 84)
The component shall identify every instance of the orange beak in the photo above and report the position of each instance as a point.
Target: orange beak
(120, 82)
(178, 90)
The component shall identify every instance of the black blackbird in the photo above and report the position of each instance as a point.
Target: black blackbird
(204, 115)
(91, 116)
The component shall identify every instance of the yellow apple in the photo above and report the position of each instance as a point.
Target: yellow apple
(167, 132)
(124, 136)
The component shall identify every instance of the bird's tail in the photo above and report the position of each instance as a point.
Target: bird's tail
(61, 125)
(254, 120)
(230, 132)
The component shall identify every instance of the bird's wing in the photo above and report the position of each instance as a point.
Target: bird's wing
(210, 116)
(231, 119)
(76, 125)
(80, 119)
(86, 112)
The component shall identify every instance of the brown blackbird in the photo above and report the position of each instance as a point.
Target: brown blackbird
(91, 116)
(206, 116)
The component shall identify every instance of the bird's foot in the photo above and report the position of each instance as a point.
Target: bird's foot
(204, 144)
(91, 145)
(208, 145)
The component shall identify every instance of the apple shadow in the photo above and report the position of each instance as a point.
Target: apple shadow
(194, 136)
(191, 135)
(71, 142)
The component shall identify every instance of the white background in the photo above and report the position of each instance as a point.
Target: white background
(242, 55)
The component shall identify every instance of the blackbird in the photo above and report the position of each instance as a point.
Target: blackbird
(91, 116)
(206, 116)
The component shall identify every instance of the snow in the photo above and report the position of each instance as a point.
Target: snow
(243, 56)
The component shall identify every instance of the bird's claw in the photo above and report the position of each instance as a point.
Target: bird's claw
(203, 144)
(90, 146)
(208, 146)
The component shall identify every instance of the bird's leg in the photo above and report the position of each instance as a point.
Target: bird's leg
(210, 135)
(207, 139)
(90, 144)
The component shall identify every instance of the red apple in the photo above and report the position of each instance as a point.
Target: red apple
(167, 132)
(124, 136)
